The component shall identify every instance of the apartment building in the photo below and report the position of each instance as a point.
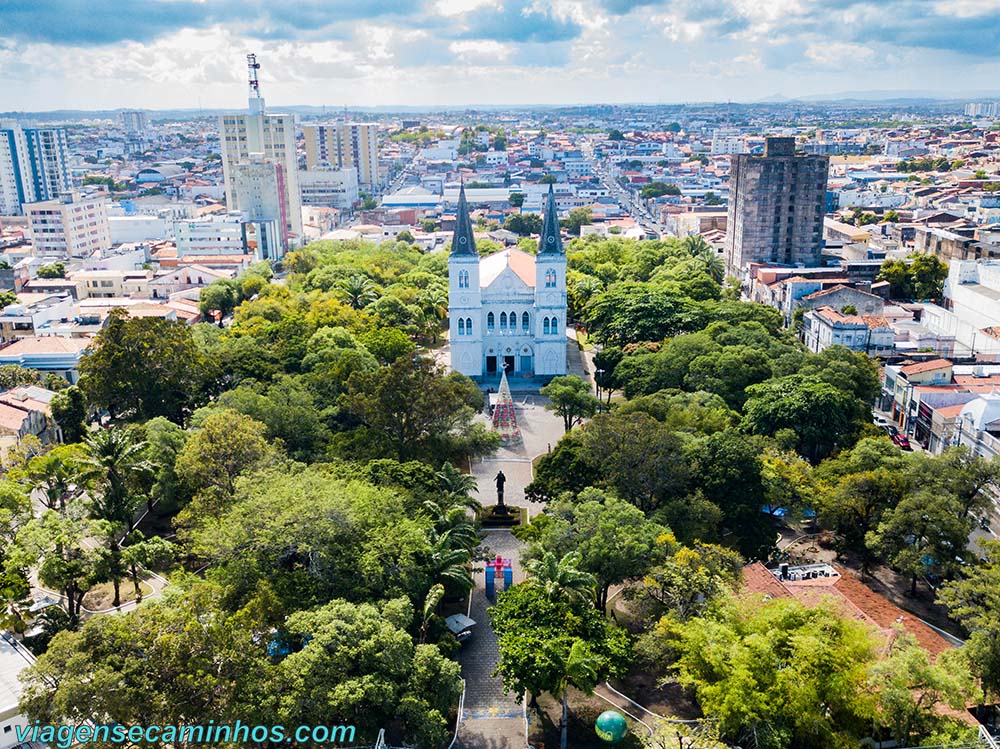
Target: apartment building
(72, 226)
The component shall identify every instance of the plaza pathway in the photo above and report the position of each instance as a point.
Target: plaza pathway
(491, 719)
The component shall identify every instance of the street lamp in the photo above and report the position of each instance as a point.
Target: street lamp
(597, 381)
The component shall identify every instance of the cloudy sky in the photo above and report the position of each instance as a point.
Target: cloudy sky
(93, 54)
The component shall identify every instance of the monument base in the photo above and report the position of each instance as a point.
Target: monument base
(507, 516)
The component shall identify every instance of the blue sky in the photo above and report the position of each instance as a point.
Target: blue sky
(189, 53)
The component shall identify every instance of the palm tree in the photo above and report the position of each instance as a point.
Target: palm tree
(579, 669)
(110, 467)
(561, 579)
(434, 596)
(434, 299)
(703, 252)
(358, 291)
(450, 563)
(458, 487)
(53, 474)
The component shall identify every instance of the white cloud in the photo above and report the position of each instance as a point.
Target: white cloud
(481, 51)
(842, 55)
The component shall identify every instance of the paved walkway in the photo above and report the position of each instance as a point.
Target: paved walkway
(492, 719)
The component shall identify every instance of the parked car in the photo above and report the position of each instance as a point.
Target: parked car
(890, 430)
(461, 626)
(901, 441)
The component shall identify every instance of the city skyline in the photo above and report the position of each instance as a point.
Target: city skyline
(66, 54)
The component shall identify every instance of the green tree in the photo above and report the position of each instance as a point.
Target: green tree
(524, 224)
(7, 298)
(387, 344)
(358, 291)
(411, 409)
(973, 601)
(612, 539)
(614, 134)
(580, 669)
(144, 367)
(145, 553)
(923, 533)
(571, 399)
(822, 416)
(928, 273)
(56, 544)
(359, 666)
(656, 189)
(130, 669)
(53, 270)
(908, 686)
(516, 199)
(164, 441)
(69, 411)
(113, 468)
(405, 236)
(548, 179)
(897, 273)
(218, 297)
(537, 633)
(776, 674)
(577, 218)
(227, 445)
(689, 580)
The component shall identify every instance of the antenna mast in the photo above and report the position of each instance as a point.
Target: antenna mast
(252, 67)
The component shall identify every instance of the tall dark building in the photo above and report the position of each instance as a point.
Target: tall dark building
(776, 205)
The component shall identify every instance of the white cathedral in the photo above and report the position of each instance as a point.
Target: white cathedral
(507, 311)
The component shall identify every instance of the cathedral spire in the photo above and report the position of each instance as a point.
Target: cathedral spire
(550, 241)
(463, 241)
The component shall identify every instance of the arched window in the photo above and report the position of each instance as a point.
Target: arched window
(463, 279)
(503, 321)
(513, 320)
(524, 321)
(550, 278)
(461, 326)
(490, 321)
(468, 326)
(555, 325)
(545, 326)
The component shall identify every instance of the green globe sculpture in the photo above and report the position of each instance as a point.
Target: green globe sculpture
(611, 726)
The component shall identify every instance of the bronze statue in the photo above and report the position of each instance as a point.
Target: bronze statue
(500, 481)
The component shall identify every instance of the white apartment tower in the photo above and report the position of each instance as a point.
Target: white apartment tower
(33, 166)
(343, 145)
(272, 136)
(134, 121)
(259, 185)
(70, 227)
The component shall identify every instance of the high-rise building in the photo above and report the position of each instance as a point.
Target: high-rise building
(134, 121)
(33, 166)
(343, 145)
(259, 185)
(776, 205)
(272, 136)
(72, 226)
(48, 150)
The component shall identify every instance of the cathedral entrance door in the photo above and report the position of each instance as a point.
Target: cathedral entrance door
(508, 364)
(526, 363)
(491, 365)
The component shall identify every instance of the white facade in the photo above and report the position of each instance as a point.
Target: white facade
(344, 145)
(259, 186)
(210, 236)
(72, 226)
(273, 136)
(507, 311)
(727, 142)
(332, 188)
(16, 185)
(825, 327)
(138, 228)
